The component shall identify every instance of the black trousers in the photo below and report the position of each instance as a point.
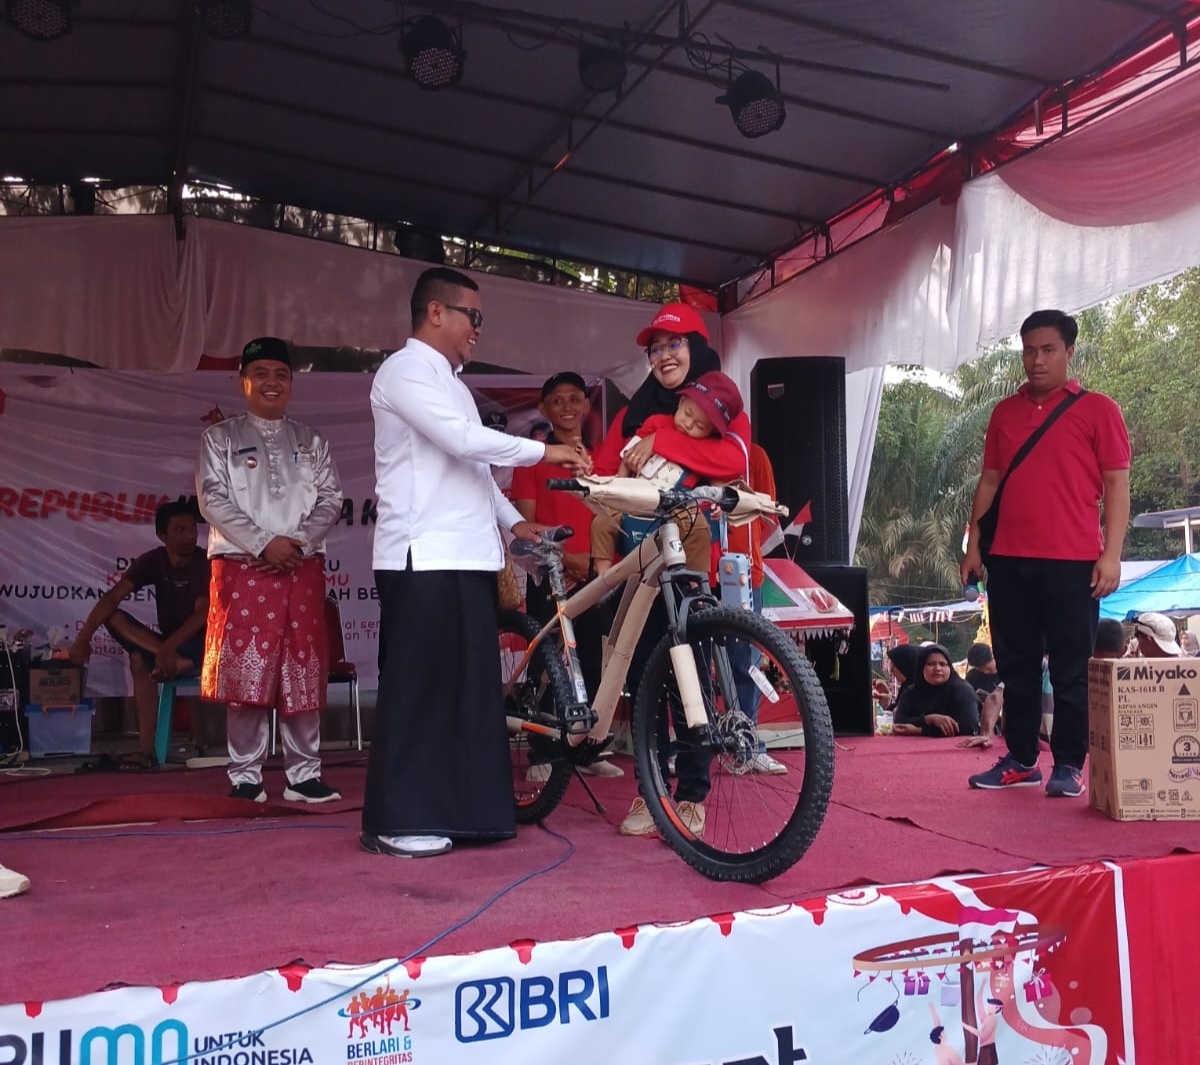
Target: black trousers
(590, 629)
(692, 761)
(1042, 606)
(439, 761)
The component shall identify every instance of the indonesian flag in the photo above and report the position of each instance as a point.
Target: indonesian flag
(795, 529)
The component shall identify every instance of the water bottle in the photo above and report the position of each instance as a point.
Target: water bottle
(971, 588)
(883, 720)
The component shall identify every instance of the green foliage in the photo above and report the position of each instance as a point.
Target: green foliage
(1143, 350)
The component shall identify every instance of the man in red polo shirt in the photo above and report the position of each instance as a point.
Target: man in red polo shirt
(565, 405)
(1048, 566)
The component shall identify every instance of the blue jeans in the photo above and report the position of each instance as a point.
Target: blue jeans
(740, 659)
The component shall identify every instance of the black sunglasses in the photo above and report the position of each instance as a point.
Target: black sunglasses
(474, 313)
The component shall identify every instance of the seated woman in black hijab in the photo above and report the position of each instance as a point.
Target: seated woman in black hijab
(939, 702)
(902, 664)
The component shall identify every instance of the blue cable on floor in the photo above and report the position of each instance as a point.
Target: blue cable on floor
(342, 993)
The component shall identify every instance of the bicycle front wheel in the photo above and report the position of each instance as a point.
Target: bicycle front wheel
(535, 687)
(736, 813)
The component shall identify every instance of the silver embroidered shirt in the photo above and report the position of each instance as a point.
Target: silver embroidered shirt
(257, 479)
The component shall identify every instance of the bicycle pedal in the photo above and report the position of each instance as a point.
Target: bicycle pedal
(579, 719)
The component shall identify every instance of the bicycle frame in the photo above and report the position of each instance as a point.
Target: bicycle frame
(642, 573)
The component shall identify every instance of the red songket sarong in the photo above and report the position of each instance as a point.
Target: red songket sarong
(266, 643)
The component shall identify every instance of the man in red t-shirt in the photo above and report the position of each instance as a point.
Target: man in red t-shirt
(1048, 566)
(564, 403)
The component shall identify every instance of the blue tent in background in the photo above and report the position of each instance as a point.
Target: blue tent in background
(1173, 588)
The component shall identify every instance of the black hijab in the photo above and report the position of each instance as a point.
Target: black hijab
(652, 398)
(904, 658)
(925, 698)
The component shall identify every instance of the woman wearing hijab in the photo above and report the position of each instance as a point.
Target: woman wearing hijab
(676, 345)
(939, 702)
(902, 662)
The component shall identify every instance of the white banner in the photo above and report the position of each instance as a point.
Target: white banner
(87, 455)
(1028, 967)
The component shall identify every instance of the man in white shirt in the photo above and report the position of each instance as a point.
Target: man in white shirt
(439, 764)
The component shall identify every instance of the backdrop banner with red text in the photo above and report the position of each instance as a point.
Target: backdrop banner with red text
(87, 455)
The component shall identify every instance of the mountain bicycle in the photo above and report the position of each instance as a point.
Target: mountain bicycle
(689, 695)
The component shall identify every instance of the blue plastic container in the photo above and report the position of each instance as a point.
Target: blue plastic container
(59, 729)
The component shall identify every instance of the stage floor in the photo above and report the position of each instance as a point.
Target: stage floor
(179, 899)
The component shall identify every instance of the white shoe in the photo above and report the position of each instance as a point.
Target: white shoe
(406, 846)
(12, 883)
(602, 768)
(764, 763)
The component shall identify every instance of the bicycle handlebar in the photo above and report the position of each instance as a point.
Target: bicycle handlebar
(722, 496)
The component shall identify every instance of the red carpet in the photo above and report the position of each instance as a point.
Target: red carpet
(238, 894)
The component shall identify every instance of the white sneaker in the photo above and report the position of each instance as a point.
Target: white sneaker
(406, 846)
(764, 763)
(12, 883)
(602, 768)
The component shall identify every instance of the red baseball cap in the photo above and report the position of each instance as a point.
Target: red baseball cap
(673, 318)
(717, 396)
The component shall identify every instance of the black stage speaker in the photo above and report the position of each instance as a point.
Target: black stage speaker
(846, 678)
(798, 412)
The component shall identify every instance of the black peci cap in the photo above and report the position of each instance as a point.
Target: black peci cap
(271, 348)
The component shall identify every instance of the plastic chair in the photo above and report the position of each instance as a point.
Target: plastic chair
(167, 690)
(340, 670)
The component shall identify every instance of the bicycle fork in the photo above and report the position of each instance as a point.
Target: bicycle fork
(683, 662)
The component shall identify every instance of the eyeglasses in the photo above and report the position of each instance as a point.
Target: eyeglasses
(672, 346)
(473, 313)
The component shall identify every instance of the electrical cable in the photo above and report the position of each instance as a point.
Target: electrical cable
(387, 969)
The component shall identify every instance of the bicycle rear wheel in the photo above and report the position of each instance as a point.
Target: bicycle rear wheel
(540, 771)
(755, 823)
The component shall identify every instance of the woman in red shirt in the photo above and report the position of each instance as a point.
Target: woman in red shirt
(676, 344)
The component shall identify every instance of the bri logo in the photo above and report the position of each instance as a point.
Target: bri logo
(496, 1008)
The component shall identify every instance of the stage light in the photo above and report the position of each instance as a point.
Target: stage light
(755, 104)
(433, 53)
(227, 20)
(43, 20)
(601, 68)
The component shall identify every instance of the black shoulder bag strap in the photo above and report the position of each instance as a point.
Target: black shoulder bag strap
(989, 519)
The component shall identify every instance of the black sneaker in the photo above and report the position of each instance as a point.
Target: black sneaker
(312, 790)
(1065, 782)
(252, 792)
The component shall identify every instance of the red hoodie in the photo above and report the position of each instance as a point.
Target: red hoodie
(712, 459)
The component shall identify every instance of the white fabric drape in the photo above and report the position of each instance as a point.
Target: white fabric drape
(115, 291)
(1104, 211)
(123, 293)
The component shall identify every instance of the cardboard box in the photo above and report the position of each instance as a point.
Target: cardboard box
(1144, 738)
(55, 685)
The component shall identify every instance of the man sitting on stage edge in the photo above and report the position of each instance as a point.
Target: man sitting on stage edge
(179, 575)
(270, 492)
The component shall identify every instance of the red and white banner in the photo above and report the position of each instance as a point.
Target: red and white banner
(1030, 967)
(87, 455)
